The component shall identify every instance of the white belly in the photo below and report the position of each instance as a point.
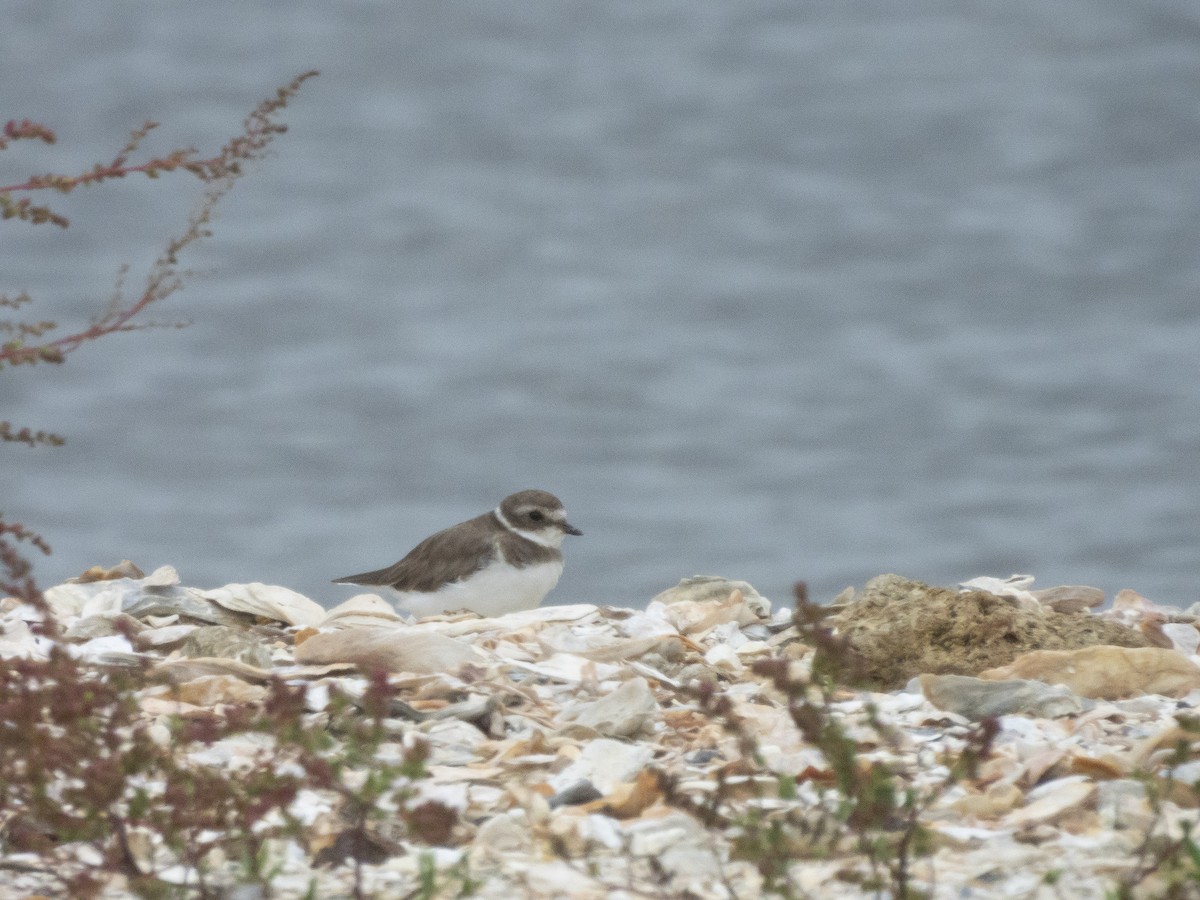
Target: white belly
(493, 591)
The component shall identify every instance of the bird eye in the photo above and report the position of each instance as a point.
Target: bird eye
(536, 515)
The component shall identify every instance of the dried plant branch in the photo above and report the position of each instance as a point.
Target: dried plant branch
(15, 577)
(220, 171)
(29, 342)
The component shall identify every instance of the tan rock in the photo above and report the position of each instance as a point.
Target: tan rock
(123, 569)
(1127, 599)
(671, 648)
(1051, 801)
(394, 649)
(362, 610)
(209, 690)
(184, 669)
(1071, 598)
(630, 800)
(996, 800)
(268, 601)
(162, 706)
(903, 628)
(1106, 673)
(701, 590)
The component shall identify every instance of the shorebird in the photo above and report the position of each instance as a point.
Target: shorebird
(503, 561)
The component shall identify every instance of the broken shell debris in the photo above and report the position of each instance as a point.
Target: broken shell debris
(584, 751)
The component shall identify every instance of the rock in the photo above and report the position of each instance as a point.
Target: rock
(628, 710)
(627, 801)
(995, 800)
(1051, 801)
(1070, 598)
(693, 618)
(681, 847)
(499, 837)
(904, 628)
(17, 641)
(157, 594)
(268, 601)
(723, 658)
(575, 795)
(186, 603)
(1151, 625)
(186, 669)
(1106, 673)
(670, 649)
(362, 610)
(453, 743)
(557, 878)
(102, 626)
(978, 698)
(123, 569)
(605, 764)
(569, 668)
(394, 649)
(480, 711)
(163, 637)
(1128, 599)
(223, 642)
(715, 589)
(1123, 803)
(525, 620)
(209, 690)
(781, 744)
(1183, 636)
(1014, 587)
(111, 650)
(579, 836)
(68, 601)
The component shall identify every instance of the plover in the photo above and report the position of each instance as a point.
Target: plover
(500, 562)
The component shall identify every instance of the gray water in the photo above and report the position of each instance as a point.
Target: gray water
(773, 290)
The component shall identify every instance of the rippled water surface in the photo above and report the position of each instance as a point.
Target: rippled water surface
(770, 290)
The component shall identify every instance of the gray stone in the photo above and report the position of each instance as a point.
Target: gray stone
(582, 791)
(170, 600)
(977, 698)
(223, 642)
(623, 713)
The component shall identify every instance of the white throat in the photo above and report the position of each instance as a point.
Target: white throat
(551, 536)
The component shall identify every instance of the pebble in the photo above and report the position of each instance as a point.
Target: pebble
(978, 698)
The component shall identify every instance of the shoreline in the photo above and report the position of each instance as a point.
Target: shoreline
(704, 746)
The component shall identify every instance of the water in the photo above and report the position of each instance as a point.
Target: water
(777, 291)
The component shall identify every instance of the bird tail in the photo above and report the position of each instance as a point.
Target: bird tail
(375, 578)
